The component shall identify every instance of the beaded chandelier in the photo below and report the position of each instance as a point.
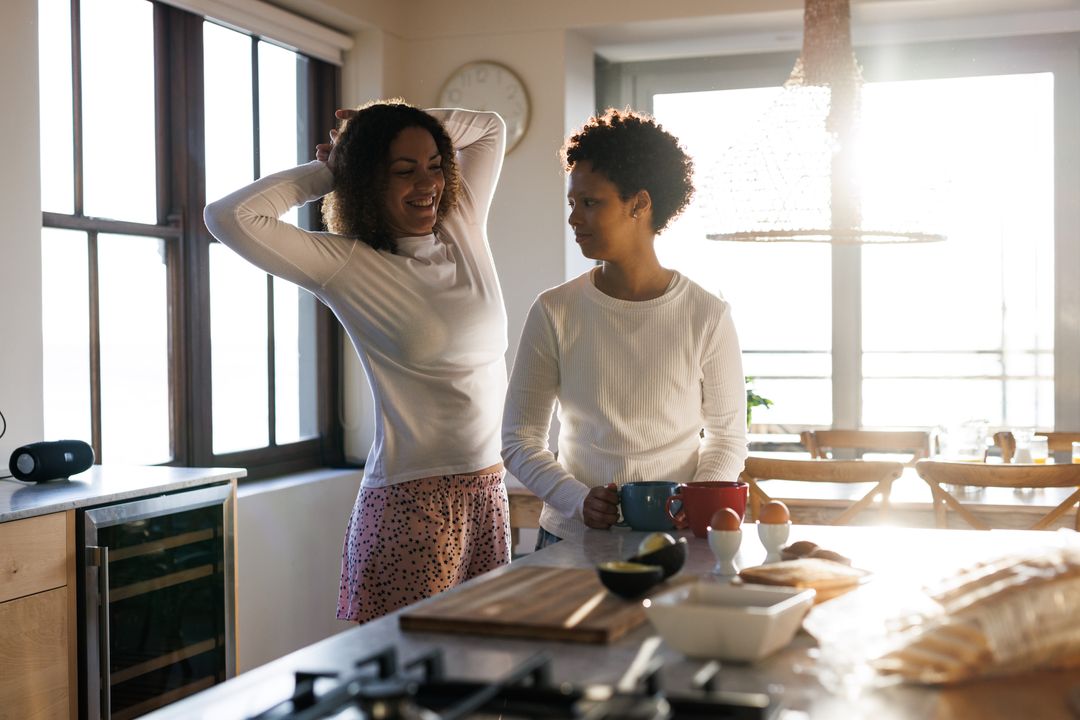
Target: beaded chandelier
(796, 178)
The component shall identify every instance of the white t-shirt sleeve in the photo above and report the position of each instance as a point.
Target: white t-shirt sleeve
(249, 222)
(723, 395)
(530, 401)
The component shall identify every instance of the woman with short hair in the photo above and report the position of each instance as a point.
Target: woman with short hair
(638, 357)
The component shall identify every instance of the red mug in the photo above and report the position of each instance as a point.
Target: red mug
(701, 499)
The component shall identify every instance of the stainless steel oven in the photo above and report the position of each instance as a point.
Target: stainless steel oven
(156, 600)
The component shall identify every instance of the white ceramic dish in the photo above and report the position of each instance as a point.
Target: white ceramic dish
(728, 622)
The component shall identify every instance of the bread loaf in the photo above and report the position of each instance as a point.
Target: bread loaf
(1014, 613)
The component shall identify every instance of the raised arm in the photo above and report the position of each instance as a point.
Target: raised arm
(530, 401)
(723, 451)
(249, 221)
(480, 141)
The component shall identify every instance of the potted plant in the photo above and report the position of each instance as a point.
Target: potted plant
(753, 400)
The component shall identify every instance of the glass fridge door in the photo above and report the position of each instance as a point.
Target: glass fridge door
(159, 615)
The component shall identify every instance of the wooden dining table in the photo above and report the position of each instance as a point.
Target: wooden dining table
(911, 502)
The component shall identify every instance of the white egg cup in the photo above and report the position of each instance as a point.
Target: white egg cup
(725, 546)
(773, 536)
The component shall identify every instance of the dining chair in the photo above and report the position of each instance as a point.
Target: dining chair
(880, 472)
(820, 443)
(524, 515)
(981, 475)
(1055, 441)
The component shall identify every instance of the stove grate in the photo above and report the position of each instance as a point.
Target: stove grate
(378, 688)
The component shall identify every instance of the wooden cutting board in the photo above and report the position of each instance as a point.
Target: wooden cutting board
(541, 603)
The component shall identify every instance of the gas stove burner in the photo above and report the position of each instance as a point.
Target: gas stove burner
(378, 690)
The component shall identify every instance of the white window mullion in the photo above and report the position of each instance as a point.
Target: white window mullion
(1066, 246)
(847, 336)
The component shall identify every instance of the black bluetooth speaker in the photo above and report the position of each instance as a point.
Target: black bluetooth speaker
(54, 460)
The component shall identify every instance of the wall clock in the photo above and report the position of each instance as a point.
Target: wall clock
(486, 85)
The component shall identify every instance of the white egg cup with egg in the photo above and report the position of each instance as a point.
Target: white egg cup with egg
(773, 536)
(725, 546)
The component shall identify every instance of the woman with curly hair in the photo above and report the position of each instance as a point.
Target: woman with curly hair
(639, 358)
(407, 270)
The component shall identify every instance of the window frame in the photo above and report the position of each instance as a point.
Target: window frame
(635, 84)
(180, 175)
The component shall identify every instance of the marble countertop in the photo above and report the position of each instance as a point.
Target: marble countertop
(102, 485)
(895, 555)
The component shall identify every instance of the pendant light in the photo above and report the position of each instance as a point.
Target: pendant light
(796, 179)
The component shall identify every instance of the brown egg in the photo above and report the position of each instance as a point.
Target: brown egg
(774, 512)
(725, 519)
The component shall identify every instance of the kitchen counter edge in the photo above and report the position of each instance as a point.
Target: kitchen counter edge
(101, 485)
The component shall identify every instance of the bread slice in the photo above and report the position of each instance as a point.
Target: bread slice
(829, 578)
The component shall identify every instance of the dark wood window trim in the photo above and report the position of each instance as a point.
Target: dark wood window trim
(181, 190)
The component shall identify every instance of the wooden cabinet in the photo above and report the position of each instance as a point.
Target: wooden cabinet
(38, 672)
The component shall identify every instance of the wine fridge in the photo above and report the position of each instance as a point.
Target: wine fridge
(157, 600)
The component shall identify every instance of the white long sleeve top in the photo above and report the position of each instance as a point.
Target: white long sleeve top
(635, 383)
(428, 323)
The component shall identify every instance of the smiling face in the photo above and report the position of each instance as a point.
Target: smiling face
(415, 184)
(603, 224)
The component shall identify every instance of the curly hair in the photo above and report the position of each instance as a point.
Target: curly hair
(635, 153)
(356, 207)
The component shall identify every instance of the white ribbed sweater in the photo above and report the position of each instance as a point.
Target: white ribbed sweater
(428, 323)
(635, 384)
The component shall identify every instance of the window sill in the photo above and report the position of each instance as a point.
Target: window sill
(307, 477)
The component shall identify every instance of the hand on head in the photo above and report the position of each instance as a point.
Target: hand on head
(323, 150)
(601, 507)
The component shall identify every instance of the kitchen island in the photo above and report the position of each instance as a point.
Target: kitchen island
(792, 677)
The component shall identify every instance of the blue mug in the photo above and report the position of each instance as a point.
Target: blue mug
(643, 505)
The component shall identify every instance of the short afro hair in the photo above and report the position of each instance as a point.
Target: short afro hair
(635, 153)
(356, 207)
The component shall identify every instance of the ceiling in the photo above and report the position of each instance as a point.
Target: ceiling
(873, 22)
(624, 30)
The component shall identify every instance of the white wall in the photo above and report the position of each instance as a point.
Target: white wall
(20, 233)
(579, 89)
(289, 535)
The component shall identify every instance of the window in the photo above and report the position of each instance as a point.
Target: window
(901, 335)
(161, 345)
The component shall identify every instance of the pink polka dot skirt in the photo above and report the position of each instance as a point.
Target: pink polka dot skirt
(412, 540)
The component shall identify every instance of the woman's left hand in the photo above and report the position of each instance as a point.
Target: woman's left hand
(323, 150)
